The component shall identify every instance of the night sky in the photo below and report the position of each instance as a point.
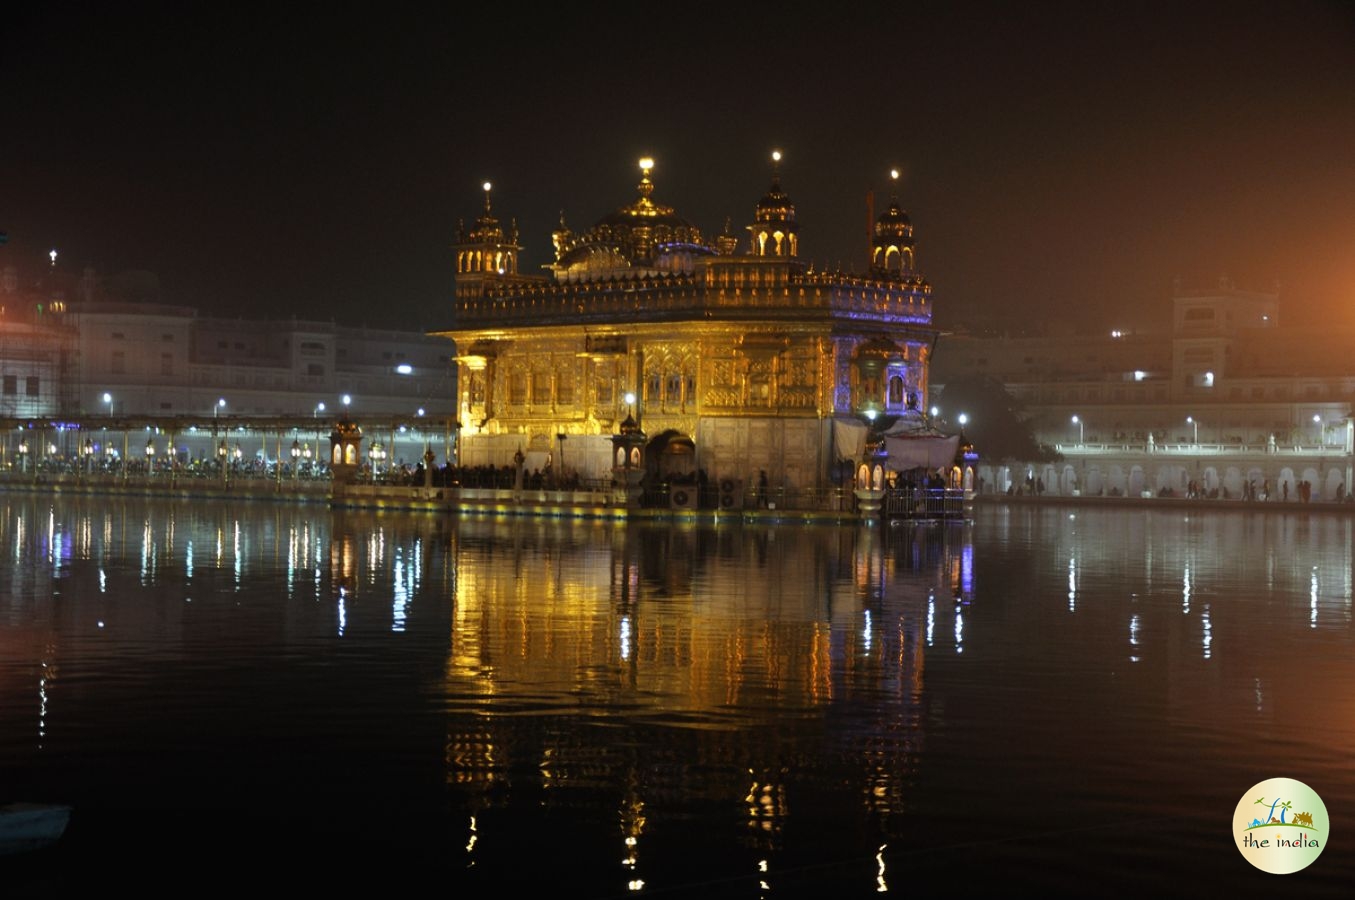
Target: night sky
(1059, 160)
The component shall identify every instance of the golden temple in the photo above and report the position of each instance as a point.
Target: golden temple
(733, 358)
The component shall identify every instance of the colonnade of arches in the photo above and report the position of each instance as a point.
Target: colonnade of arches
(1220, 482)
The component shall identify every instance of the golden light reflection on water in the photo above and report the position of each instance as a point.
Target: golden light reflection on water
(637, 665)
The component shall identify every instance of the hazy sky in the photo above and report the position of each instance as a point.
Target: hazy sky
(1058, 159)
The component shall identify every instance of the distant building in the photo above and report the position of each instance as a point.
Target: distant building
(37, 349)
(1224, 397)
(87, 348)
(732, 354)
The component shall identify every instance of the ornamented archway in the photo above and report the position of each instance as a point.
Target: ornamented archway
(670, 457)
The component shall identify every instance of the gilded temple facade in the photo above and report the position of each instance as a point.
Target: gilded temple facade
(733, 355)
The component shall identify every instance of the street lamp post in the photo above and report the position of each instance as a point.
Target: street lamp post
(377, 454)
(296, 459)
(1190, 420)
(1317, 420)
(1081, 430)
(108, 398)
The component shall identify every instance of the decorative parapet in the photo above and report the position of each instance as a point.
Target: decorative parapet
(716, 293)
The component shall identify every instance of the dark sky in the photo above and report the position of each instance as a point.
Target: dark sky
(1060, 160)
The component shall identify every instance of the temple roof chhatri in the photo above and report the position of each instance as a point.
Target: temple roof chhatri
(893, 253)
(487, 229)
(775, 205)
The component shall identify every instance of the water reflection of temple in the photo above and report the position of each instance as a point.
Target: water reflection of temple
(694, 646)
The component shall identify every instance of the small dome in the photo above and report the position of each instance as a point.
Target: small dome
(775, 203)
(893, 220)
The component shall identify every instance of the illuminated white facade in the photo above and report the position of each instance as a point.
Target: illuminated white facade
(1228, 396)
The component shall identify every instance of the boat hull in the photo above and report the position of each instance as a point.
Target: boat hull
(26, 827)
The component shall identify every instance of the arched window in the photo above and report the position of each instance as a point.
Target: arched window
(895, 390)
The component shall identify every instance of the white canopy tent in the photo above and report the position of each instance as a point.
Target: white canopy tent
(910, 442)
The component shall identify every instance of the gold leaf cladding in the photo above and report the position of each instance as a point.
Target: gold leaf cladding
(721, 397)
(800, 372)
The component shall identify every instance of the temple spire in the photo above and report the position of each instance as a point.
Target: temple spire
(774, 230)
(892, 250)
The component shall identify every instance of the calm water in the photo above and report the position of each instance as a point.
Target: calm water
(250, 694)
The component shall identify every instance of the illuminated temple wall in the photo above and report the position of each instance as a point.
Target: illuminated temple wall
(750, 396)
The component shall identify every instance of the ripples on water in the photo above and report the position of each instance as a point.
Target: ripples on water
(1072, 701)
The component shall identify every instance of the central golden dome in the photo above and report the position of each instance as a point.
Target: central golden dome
(643, 237)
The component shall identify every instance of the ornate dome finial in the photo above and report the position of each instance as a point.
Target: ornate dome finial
(646, 186)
